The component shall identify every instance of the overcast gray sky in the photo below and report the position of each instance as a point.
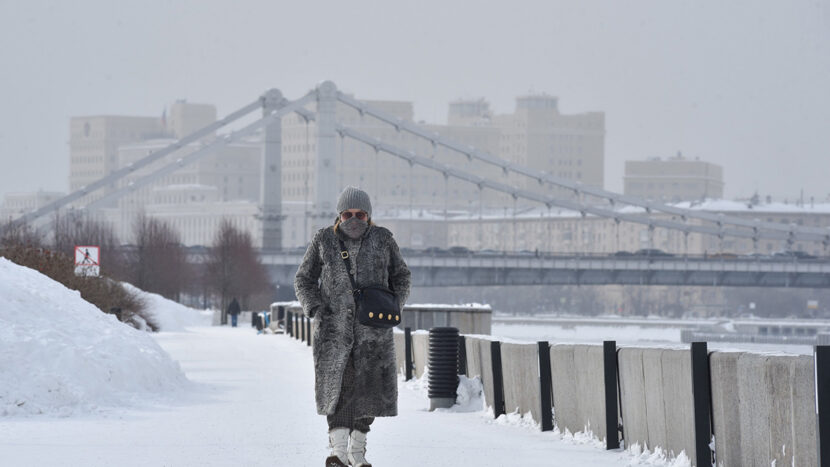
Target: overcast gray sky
(743, 83)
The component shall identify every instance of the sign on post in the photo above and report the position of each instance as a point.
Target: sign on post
(87, 261)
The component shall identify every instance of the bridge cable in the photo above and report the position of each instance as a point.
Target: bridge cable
(203, 151)
(497, 186)
(431, 164)
(813, 234)
(141, 163)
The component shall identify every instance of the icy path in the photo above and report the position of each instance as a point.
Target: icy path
(254, 406)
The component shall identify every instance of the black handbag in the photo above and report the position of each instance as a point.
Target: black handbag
(377, 306)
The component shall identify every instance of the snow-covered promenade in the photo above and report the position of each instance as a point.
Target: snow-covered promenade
(252, 405)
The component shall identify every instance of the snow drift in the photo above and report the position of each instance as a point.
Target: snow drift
(60, 355)
(169, 315)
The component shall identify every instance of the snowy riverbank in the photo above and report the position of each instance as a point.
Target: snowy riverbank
(62, 356)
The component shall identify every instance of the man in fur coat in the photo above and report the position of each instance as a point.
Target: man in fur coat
(354, 364)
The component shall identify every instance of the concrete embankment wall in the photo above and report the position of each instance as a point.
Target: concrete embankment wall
(763, 409)
(578, 381)
(520, 370)
(763, 406)
(656, 399)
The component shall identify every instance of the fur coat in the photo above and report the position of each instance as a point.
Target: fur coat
(323, 288)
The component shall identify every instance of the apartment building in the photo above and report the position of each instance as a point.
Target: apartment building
(535, 134)
(673, 180)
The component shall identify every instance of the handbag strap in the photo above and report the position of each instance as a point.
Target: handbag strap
(344, 253)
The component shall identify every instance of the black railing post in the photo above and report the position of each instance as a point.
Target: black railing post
(822, 368)
(286, 326)
(462, 355)
(308, 331)
(702, 394)
(612, 438)
(498, 379)
(297, 323)
(302, 328)
(545, 384)
(407, 351)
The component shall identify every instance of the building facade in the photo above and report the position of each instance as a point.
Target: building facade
(15, 205)
(535, 134)
(673, 180)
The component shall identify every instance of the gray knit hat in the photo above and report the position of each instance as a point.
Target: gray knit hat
(354, 198)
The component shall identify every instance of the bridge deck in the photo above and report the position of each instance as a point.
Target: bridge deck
(479, 270)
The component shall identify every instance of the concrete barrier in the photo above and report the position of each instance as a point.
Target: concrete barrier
(804, 411)
(726, 417)
(676, 367)
(763, 406)
(468, 319)
(632, 396)
(486, 370)
(520, 373)
(656, 399)
(763, 409)
(474, 362)
(577, 374)
(400, 348)
(420, 351)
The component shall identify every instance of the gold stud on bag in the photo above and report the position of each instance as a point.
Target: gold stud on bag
(373, 301)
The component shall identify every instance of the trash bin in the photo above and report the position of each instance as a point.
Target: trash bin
(443, 367)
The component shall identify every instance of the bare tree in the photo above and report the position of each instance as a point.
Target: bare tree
(233, 268)
(21, 234)
(74, 229)
(23, 246)
(157, 261)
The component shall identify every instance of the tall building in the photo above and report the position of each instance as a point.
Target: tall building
(673, 180)
(16, 204)
(94, 143)
(195, 198)
(186, 118)
(536, 134)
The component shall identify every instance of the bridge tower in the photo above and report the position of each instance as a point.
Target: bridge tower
(326, 188)
(271, 179)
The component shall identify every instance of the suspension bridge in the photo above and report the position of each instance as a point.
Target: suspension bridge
(473, 269)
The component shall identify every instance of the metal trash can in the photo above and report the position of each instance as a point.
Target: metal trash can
(443, 367)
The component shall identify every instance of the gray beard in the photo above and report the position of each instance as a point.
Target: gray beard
(354, 228)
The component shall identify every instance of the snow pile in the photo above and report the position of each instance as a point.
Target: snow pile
(60, 355)
(469, 394)
(169, 315)
(659, 457)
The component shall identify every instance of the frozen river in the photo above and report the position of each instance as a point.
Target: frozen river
(665, 334)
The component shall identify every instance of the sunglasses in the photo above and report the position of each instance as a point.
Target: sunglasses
(348, 215)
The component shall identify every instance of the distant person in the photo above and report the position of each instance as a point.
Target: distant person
(233, 310)
(354, 364)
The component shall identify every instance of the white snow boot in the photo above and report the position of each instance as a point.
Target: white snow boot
(357, 449)
(339, 443)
